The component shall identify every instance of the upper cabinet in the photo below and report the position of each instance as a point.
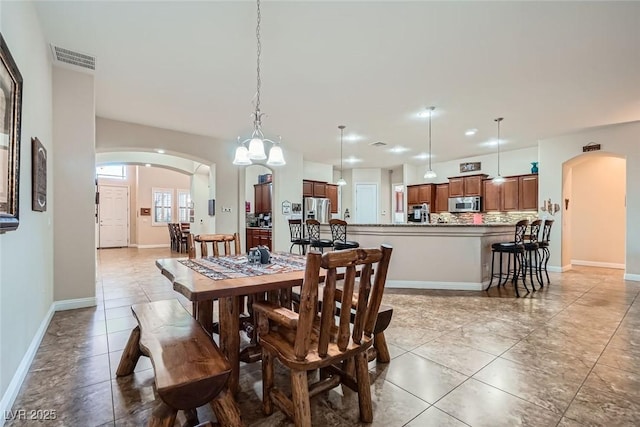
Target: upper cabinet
(516, 193)
(419, 194)
(262, 197)
(314, 188)
(332, 195)
(442, 198)
(461, 186)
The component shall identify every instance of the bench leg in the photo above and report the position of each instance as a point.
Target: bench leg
(226, 410)
(162, 416)
(380, 344)
(204, 315)
(191, 416)
(130, 355)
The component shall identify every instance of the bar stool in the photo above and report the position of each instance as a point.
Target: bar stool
(544, 245)
(513, 250)
(313, 228)
(297, 238)
(532, 261)
(339, 235)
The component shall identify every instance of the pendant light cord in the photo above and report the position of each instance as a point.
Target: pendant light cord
(341, 127)
(259, 50)
(499, 119)
(430, 112)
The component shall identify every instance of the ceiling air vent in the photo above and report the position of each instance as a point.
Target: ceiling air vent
(378, 144)
(72, 58)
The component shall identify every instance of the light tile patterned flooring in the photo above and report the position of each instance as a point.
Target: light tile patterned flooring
(568, 355)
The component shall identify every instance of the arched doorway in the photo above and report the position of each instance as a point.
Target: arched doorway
(594, 211)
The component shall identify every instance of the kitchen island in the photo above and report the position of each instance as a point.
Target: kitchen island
(435, 256)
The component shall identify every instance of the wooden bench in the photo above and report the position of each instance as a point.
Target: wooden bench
(190, 371)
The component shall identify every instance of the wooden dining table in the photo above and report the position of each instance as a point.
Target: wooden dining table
(229, 279)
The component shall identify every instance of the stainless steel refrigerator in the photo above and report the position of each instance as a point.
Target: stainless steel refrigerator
(316, 208)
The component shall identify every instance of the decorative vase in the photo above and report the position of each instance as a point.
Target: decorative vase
(534, 167)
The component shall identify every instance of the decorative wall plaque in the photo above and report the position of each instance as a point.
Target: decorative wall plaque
(470, 166)
(592, 146)
(38, 176)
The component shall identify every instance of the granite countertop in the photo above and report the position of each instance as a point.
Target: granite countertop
(418, 224)
(259, 228)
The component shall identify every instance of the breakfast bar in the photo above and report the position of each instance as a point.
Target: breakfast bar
(436, 256)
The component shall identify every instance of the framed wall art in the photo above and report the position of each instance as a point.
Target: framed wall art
(10, 115)
(38, 176)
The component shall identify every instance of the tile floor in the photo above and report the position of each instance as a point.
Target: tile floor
(568, 355)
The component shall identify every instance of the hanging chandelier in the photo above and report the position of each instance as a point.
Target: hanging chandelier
(499, 179)
(430, 174)
(244, 155)
(341, 181)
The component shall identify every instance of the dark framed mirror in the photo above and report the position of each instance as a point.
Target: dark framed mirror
(10, 117)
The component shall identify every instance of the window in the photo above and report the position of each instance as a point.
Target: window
(162, 205)
(184, 205)
(112, 171)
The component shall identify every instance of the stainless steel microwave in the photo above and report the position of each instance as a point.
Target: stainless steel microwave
(465, 204)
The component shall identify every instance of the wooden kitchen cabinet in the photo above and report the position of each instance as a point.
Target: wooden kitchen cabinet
(456, 187)
(441, 198)
(332, 195)
(492, 195)
(510, 194)
(258, 237)
(262, 198)
(528, 189)
(307, 188)
(462, 186)
(413, 195)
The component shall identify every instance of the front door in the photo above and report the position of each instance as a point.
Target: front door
(366, 203)
(113, 216)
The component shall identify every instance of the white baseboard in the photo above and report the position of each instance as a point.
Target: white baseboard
(556, 269)
(70, 304)
(448, 286)
(632, 277)
(164, 245)
(11, 393)
(598, 264)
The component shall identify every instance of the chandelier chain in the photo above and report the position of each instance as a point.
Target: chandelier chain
(259, 50)
(430, 112)
(499, 119)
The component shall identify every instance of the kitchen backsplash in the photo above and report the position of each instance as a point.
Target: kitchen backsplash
(487, 218)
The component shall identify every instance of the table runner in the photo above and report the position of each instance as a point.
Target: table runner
(230, 267)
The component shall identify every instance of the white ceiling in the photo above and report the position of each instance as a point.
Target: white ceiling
(548, 68)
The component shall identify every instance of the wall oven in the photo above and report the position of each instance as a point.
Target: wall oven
(465, 204)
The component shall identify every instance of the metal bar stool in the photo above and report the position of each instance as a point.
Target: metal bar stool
(544, 245)
(339, 235)
(297, 238)
(513, 250)
(532, 259)
(313, 228)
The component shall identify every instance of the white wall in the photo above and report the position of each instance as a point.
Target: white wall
(149, 178)
(623, 140)
(597, 210)
(26, 255)
(317, 171)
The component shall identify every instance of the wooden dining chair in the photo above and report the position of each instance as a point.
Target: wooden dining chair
(216, 240)
(311, 339)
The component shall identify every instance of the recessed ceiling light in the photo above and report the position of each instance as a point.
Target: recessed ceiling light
(421, 156)
(159, 151)
(147, 165)
(353, 137)
(493, 142)
(352, 160)
(471, 132)
(424, 114)
(398, 149)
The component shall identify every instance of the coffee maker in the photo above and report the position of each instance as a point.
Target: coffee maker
(419, 213)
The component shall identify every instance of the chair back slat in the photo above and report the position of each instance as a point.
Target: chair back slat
(191, 245)
(215, 240)
(534, 230)
(364, 289)
(308, 305)
(295, 228)
(338, 230)
(313, 228)
(377, 290)
(345, 308)
(327, 317)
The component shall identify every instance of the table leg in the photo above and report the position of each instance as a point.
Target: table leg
(204, 314)
(230, 337)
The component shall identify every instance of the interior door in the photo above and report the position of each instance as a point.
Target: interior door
(366, 203)
(113, 216)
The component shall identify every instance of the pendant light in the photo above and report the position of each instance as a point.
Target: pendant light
(430, 174)
(499, 179)
(244, 155)
(341, 181)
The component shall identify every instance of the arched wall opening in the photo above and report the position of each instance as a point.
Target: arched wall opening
(594, 210)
